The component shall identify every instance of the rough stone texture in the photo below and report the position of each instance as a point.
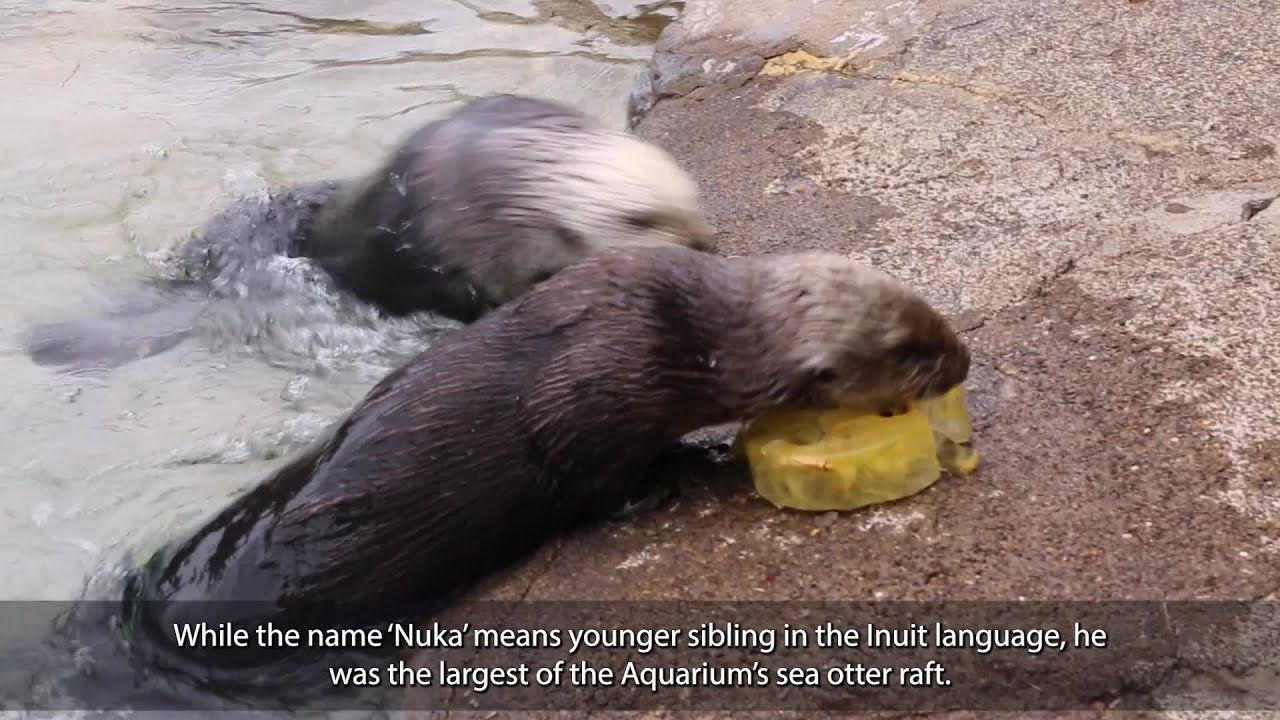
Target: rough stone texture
(1084, 186)
(725, 43)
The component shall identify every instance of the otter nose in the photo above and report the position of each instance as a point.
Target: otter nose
(952, 369)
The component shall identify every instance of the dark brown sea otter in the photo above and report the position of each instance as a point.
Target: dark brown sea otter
(547, 413)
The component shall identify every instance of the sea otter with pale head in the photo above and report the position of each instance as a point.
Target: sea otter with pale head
(465, 214)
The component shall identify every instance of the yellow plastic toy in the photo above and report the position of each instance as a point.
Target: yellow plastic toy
(839, 460)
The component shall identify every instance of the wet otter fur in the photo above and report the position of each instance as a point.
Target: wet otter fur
(473, 211)
(546, 414)
(466, 213)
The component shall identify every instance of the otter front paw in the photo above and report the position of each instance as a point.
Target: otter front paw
(657, 495)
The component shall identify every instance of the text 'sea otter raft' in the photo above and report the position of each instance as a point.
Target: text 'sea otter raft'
(738, 656)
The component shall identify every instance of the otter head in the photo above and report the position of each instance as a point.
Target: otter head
(860, 339)
(621, 191)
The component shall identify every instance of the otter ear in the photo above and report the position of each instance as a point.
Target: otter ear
(819, 370)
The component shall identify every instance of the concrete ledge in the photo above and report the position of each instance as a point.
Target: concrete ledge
(1083, 186)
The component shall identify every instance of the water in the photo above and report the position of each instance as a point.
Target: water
(126, 124)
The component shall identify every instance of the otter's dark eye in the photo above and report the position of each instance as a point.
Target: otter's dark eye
(825, 375)
(642, 221)
(915, 350)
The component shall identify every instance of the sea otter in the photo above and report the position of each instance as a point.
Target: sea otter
(465, 214)
(545, 414)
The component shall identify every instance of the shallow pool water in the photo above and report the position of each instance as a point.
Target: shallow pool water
(126, 125)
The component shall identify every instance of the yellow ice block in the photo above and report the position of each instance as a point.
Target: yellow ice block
(839, 460)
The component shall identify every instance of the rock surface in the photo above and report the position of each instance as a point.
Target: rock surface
(1084, 187)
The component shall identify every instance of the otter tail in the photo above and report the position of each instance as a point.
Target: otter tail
(144, 324)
